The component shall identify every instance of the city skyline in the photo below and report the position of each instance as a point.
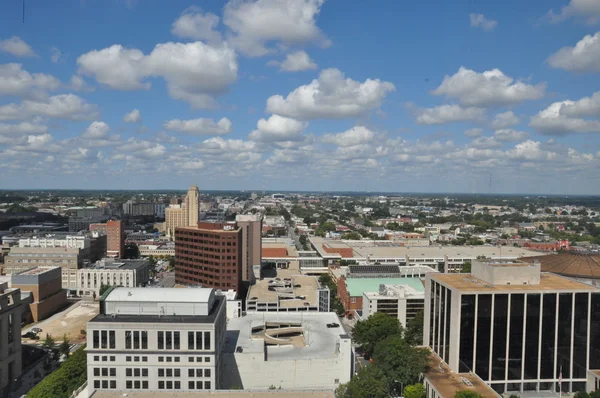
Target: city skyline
(474, 98)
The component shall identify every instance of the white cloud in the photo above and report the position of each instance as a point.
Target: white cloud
(199, 126)
(15, 81)
(79, 84)
(295, 62)
(584, 57)
(278, 128)
(357, 135)
(194, 24)
(133, 117)
(566, 117)
(480, 21)
(490, 88)
(485, 143)
(64, 106)
(194, 72)
(474, 132)
(254, 24)
(504, 120)
(20, 129)
(331, 96)
(510, 135)
(141, 149)
(56, 54)
(17, 47)
(447, 114)
(96, 130)
(586, 9)
(190, 165)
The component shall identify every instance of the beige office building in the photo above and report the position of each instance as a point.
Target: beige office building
(23, 258)
(183, 215)
(251, 242)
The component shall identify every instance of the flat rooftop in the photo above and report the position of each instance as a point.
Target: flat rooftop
(308, 289)
(220, 394)
(448, 383)
(320, 341)
(37, 271)
(358, 286)
(166, 294)
(548, 282)
(389, 249)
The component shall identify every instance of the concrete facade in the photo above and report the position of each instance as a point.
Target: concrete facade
(400, 301)
(251, 243)
(11, 309)
(126, 273)
(115, 236)
(148, 339)
(45, 284)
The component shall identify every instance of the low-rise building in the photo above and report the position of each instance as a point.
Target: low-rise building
(127, 273)
(151, 339)
(308, 350)
(160, 250)
(45, 285)
(400, 301)
(11, 309)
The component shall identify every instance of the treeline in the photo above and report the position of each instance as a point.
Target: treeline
(62, 382)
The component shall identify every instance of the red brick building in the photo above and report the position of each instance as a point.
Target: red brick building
(350, 303)
(209, 255)
(115, 237)
(345, 252)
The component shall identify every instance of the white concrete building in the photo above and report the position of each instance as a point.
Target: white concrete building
(126, 273)
(157, 250)
(308, 350)
(147, 339)
(400, 301)
(11, 309)
(70, 242)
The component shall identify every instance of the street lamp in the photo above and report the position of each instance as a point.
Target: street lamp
(401, 387)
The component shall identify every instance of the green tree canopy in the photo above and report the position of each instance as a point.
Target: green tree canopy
(370, 382)
(414, 330)
(466, 268)
(468, 394)
(374, 329)
(414, 391)
(63, 381)
(399, 361)
(48, 342)
(65, 346)
(353, 235)
(581, 394)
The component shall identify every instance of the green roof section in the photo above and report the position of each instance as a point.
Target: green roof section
(358, 286)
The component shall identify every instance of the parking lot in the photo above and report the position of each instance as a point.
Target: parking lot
(70, 322)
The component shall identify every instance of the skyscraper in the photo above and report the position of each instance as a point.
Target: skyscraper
(193, 203)
(251, 242)
(183, 215)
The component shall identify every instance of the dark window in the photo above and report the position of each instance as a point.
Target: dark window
(580, 336)
(113, 372)
(565, 316)
(484, 321)
(145, 384)
(499, 341)
(113, 384)
(105, 384)
(177, 372)
(467, 333)
(128, 372)
(127, 359)
(190, 340)
(136, 372)
(161, 385)
(96, 383)
(190, 372)
(207, 385)
(169, 340)
(548, 325)
(105, 372)
(206, 372)
(532, 339)
(112, 339)
(144, 372)
(129, 384)
(176, 341)
(144, 339)
(161, 373)
(447, 325)
(177, 385)
(207, 340)
(112, 358)
(190, 385)
(169, 372)
(515, 337)
(104, 338)
(96, 339)
(96, 371)
(198, 340)
(128, 339)
(137, 384)
(161, 340)
(198, 372)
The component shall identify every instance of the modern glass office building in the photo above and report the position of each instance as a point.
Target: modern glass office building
(516, 328)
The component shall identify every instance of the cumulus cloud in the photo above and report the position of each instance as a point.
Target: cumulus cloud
(15, 81)
(504, 120)
(14, 134)
(133, 117)
(194, 24)
(488, 89)
(510, 135)
(278, 128)
(485, 143)
(96, 130)
(447, 114)
(254, 24)
(55, 54)
(17, 47)
(584, 57)
(199, 126)
(474, 132)
(331, 96)
(194, 72)
(588, 10)
(480, 21)
(295, 62)
(141, 149)
(64, 106)
(357, 135)
(566, 117)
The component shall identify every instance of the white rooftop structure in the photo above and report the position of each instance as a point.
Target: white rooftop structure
(159, 301)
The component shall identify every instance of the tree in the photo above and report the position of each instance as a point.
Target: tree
(374, 329)
(353, 235)
(370, 382)
(399, 361)
(467, 394)
(48, 342)
(595, 394)
(466, 268)
(513, 396)
(104, 288)
(66, 379)
(131, 251)
(581, 394)
(414, 330)
(414, 391)
(65, 346)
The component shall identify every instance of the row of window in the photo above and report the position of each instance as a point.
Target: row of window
(105, 358)
(105, 372)
(138, 339)
(105, 384)
(137, 372)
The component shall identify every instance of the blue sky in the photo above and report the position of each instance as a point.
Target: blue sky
(429, 96)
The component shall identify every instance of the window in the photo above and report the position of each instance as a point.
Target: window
(177, 385)
(96, 357)
(176, 359)
(190, 340)
(206, 372)
(113, 372)
(96, 339)
(161, 373)
(169, 372)
(112, 342)
(144, 359)
(144, 384)
(207, 385)
(129, 384)
(191, 385)
(161, 359)
(112, 358)
(177, 372)
(169, 385)
(104, 358)
(113, 384)
(144, 372)
(136, 359)
(136, 372)
(191, 359)
(144, 339)
(161, 341)
(207, 340)
(161, 385)
(199, 385)
(190, 372)
(128, 339)
(136, 340)
(198, 372)
(169, 359)
(96, 383)
(105, 372)
(96, 371)
(198, 340)
(128, 372)
(104, 338)
(137, 384)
